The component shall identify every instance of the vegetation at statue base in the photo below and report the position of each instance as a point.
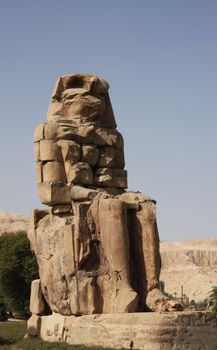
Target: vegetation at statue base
(213, 299)
(12, 338)
(18, 267)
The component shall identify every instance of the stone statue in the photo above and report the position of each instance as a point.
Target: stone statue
(97, 247)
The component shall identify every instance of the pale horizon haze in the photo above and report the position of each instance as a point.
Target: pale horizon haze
(160, 59)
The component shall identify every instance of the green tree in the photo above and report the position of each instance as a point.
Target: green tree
(18, 267)
(213, 299)
(162, 288)
(193, 303)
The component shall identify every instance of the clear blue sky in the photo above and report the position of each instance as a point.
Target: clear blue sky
(160, 58)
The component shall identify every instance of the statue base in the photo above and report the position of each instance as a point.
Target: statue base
(147, 331)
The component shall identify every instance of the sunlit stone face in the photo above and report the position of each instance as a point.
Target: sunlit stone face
(80, 99)
(79, 103)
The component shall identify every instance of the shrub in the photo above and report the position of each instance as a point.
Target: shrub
(18, 267)
(213, 299)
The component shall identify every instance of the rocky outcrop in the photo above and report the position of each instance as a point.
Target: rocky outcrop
(13, 222)
(189, 266)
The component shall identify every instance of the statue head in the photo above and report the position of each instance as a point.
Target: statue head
(79, 144)
(81, 99)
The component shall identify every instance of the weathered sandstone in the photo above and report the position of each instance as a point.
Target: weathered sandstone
(37, 305)
(147, 331)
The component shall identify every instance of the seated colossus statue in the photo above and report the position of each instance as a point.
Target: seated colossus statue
(97, 247)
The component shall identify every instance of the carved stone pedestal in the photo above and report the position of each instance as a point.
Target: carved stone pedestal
(147, 331)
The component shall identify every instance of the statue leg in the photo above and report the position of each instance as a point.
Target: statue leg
(113, 234)
(145, 250)
(146, 219)
(156, 300)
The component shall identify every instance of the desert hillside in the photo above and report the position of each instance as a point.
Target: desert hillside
(12, 222)
(191, 264)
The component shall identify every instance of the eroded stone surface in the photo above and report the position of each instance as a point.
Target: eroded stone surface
(37, 305)
(147, 331)
(79, 138)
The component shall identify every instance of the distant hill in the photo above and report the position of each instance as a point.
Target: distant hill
(191, 264)
(12, 222)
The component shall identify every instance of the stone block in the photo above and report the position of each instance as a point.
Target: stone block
(80, 222)
(54, 109)
(38, 172)
(53, 193)
(79, 173)
(50, 130)
(53, 328)
(50, 151)
(61, 208)
(136, 197)
(87, 300)
(145, 331)
(34, 326)
(66, 132)
(81, 134)
(79, 193)
(108, 177)
(108, 137)
(90, 154)
(115, 139)
(111, 157)
(37, 215)
(103, 177)
(36, 149)
(71, 150)
(54, 171)
(100, 137)
(113, 191)
(39, 133)
(37, 305)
